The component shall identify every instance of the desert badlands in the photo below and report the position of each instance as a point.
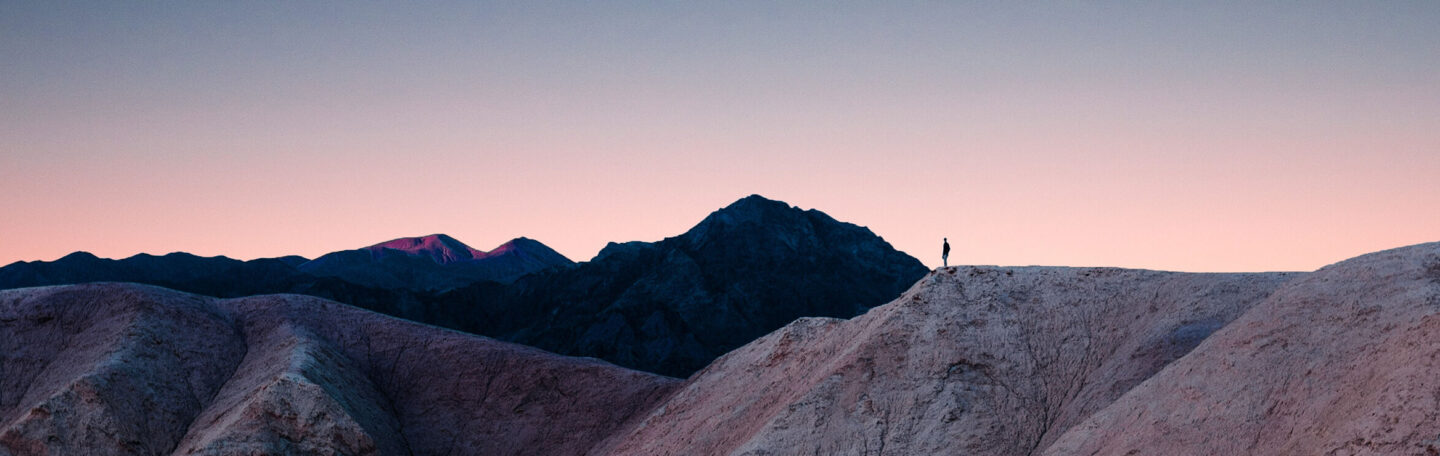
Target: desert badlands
(970, 360)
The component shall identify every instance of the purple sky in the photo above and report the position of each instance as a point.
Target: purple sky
(1195, 136)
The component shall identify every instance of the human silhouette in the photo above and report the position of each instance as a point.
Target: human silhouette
(945, 253)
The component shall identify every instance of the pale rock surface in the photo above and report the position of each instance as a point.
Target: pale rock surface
(108, 370)
(1342, 361)
(131, 369)
(971, 360)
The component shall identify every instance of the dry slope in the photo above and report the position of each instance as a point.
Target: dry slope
(1342, 361)
(971, 360)
(130, 369)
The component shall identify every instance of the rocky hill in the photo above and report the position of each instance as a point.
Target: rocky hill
(971, 360)
(1063, 361)
(129, 369)
(1342, 361)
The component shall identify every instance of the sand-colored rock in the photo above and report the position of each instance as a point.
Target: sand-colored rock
(971, 360)
(294, 393)
(108, 370)
(132, 369)
(1342, 361)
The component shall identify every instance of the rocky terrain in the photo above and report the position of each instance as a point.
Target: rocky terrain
(969, 360)
(1062, 361)
(130, 369)
(1341, 361)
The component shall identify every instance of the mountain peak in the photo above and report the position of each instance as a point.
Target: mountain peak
(519, 243)
(750, 210)
(439, 247)
(754, 209)
(434, 262)
(79, 255)
(529, 248)
(444, 249)
(754, 203)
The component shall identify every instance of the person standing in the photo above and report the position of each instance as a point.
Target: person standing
(945, 253)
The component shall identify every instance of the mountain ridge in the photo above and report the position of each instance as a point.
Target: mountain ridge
(221, 276)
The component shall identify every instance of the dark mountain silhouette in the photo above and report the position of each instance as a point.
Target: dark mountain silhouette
(434, 263)
(214, 276)
(673, 306)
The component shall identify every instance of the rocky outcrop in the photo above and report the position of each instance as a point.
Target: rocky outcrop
(131, 369)
(1342, 361)
(108, 369)
(971, 360)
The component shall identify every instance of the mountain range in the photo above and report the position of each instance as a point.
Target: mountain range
(429, 263)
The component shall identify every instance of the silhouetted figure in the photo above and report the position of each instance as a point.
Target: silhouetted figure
(945, 253)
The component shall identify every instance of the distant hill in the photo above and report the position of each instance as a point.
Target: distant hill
(214, 276)
(435, 263)
(384, 276)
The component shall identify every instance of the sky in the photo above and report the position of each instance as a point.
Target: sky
(1192, 136)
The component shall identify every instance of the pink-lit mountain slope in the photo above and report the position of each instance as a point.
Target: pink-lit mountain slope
(435, 262)
(439, 248)
(109, 368)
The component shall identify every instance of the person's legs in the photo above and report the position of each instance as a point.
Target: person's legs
(945, 259)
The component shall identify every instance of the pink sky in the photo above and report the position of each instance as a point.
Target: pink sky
(1196, 138)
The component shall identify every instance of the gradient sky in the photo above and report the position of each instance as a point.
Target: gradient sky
(1197, 136)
